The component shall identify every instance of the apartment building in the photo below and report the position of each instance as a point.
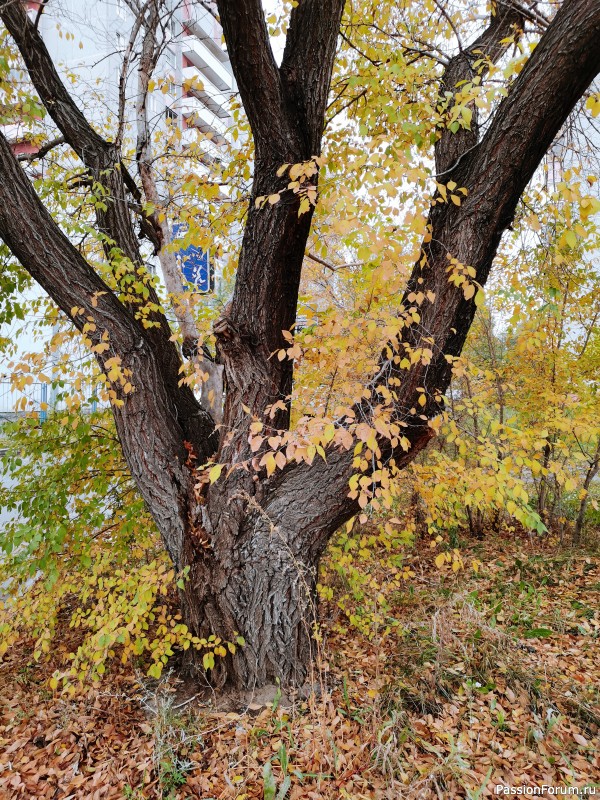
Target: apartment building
(90, 41)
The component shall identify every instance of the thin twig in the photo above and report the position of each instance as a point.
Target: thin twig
(332, 267)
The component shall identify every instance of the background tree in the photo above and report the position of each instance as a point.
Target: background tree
(247, 530)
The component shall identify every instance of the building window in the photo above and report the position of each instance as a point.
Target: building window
(170, 57)
(170, 114)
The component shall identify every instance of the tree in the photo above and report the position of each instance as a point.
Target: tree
(243, 512)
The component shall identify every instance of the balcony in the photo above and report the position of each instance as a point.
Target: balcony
(206, 28)
(207, 63)
(198, 116)
(215, 100)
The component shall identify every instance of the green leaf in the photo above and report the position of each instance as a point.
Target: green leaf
(155, 671)
(284, 788)
(269, 785)
(538, 633)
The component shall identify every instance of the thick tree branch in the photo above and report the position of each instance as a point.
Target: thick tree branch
(256, 72)
(151, 429)
(286, 110)
(100, 157)
(311, 39)
(103, 161)
(487, 48)
(494, 174)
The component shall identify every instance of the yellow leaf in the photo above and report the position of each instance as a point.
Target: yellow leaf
(215, 472)
(593, 103)
(469, 291)
(208, 660)
(304, 206)
(268, 461)
(329, 432)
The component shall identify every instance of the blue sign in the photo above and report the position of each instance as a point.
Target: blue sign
(193, 262)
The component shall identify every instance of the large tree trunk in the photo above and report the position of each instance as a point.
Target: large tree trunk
(259, 588)
(253, 569)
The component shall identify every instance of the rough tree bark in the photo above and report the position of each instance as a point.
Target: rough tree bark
(253, 543)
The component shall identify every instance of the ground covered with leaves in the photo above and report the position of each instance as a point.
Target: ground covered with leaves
(479, 678)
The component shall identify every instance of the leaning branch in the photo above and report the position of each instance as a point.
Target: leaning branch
(60, 269)
(103, 161)
(310, 44)
(487, 48)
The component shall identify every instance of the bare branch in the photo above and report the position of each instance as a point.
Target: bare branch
(139, 18)
(212, 388)
(331, 267)
(40, 11)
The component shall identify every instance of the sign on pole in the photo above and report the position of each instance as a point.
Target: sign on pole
(193, 262)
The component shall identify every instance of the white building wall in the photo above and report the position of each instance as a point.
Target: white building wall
(88, 40)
